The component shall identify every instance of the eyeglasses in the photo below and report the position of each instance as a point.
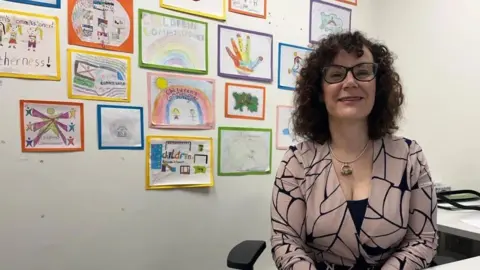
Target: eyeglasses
(363, 72)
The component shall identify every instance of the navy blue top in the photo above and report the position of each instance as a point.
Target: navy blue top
(357, 210)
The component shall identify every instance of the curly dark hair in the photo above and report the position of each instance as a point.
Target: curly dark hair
(310, 116)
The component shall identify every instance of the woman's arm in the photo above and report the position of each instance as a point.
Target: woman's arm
(288, 216)
(421, 241)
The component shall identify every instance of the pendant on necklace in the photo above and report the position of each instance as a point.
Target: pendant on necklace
(346, 169)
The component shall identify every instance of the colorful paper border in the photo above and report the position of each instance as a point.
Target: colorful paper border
(168, 68)
(242, 77)
(219, 154)
(57, 44)
(35, 3)
(22, 125)
(264, 16)
(257, 87)
(107, 55)
(178, 138)
(280, 45)
(223, 17)
(328, 4)
(99, 127)
(277, 133)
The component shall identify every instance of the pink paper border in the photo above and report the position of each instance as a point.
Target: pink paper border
(150, 125)
(277, 133)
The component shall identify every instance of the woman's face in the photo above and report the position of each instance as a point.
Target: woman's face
(350, 95)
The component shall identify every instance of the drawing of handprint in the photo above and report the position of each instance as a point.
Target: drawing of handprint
(241, 56)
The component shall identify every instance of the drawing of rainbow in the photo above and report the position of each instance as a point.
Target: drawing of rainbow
(161, 106)
(174, 51)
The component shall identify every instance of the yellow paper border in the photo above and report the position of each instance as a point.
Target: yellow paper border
(108, 55)
(57, 45)
(178, 138)
(201, 14)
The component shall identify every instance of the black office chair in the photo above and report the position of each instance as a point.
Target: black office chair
(244, 255)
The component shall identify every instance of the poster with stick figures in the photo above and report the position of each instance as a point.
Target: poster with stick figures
(101, 24)
(29, 46)
(51, 126)
(290, 62)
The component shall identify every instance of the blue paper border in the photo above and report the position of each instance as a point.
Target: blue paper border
(99, 128)
(280, 45)
(35, 3)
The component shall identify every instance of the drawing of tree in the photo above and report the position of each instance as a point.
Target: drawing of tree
(245, 100)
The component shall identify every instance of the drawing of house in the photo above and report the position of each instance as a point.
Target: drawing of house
(122, 132)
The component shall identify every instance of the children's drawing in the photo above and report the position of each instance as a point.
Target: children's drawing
(284, 132)
(244, 151)
(42, 3)
(29, 46)
(179, 162)
(244, 101)
(51, 126)
(120, 127)
(290, 62)
(173, 43)
(244, 54)
(101, 24)
(255, 8)
(327, 18)
(98, 76)
(213, 9)
(180, 102)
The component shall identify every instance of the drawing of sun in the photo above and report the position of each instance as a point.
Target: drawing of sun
(161, 83)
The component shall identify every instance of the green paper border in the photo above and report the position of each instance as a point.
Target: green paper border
(168, 68)
(219, 151)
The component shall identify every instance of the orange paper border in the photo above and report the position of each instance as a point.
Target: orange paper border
(348, 2)
(22, 125)
(264, 16)
(126, 47)
(262, 88)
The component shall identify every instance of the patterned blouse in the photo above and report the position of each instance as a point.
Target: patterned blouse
(313, 226)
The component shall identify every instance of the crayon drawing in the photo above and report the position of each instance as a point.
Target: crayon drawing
(254, 8)
(327, 18)
(245, 54)
(179, 162)
(101, 24)
(173, 43)
(244, 101)
(180, 102)
(213, 9)
(98, 76)
(290, 62)
(120, 127)
(51, 126)
(41, 3)
(29, 46)
(284, 132)
(244, 151)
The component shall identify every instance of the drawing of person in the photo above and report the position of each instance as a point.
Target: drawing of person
(14, 31)
(193, 114)
(70, 140)
(71, 127)
(176, 113)
(29, 142)
(3, 32)
(72, 113)
(28, 111)
(32, 37)
(29, 126)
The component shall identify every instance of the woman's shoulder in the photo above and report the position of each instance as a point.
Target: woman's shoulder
(395, 143)
(303, 153)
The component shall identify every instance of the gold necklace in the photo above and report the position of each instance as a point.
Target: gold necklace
(346, 168)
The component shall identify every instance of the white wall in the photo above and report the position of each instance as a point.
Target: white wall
(437, 47)
(48, 223)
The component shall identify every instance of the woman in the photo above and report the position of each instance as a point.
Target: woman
(352, 195)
